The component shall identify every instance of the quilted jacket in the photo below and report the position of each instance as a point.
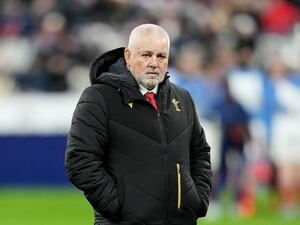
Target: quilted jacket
(136, 165)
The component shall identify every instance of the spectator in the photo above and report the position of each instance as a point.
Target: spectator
(235, 134)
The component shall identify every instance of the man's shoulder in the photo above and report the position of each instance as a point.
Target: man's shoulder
(95, 93)
(98, 89)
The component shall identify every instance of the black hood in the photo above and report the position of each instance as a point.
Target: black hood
(110, 68)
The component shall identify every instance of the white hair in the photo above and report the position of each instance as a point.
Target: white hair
(147, 30)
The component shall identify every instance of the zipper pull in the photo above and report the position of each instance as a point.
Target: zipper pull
(178, 186)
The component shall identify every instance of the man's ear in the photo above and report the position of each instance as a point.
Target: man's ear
(127, 54)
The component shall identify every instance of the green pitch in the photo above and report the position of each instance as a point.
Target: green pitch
(67, 206)
(44, 207)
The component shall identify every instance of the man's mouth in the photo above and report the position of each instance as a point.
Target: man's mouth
(152, 72)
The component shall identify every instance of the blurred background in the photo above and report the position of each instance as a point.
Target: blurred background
(239, 59)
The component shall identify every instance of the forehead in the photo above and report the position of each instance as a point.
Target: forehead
(153, 44)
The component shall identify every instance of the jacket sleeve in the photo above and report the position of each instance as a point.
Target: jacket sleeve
(200, 165)
(84, 158)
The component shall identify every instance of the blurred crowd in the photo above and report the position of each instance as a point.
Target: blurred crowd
(239, 59)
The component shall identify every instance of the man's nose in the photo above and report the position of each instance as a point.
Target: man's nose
(153, 62)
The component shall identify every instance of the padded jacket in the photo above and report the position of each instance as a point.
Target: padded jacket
(136, 165)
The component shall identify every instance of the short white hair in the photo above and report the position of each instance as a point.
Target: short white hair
(147, 30)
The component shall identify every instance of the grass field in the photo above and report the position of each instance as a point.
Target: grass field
(58, 206)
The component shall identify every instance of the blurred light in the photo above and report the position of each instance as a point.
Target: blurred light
(244, 24)
(54, 22)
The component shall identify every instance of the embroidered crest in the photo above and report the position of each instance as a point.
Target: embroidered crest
(176, 104)
(130, 104)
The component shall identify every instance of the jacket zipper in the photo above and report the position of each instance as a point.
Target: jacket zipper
(178, 186)
(164, 152)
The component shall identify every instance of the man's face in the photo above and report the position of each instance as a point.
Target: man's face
(148, 61)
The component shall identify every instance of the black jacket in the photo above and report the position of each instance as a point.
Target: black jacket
(134, 164)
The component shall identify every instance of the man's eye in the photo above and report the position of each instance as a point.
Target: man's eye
(161, 57)
(146, 55)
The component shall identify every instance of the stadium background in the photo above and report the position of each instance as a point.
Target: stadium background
(47, 46)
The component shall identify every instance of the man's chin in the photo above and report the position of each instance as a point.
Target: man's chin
(149, 84)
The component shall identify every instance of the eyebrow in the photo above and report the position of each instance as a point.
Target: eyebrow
(150, 52)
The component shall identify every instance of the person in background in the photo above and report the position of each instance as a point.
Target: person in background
(235, 134)
(135, 147)
(187, 70)
(284, 141)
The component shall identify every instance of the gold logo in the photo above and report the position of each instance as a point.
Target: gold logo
(130, 104)
(176, 104)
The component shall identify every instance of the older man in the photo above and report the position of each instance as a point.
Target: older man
(135, 147)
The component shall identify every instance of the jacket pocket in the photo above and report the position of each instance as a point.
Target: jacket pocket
(188, 199)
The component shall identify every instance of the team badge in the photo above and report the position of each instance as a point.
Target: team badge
(176, 104)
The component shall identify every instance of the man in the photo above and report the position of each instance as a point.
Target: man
(139, 161)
